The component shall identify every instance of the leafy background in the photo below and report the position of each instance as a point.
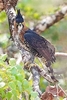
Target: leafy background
(13, 79)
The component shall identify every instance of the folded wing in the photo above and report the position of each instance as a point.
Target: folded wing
(43, 47)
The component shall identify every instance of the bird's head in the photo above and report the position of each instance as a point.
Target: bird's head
(19, 18)
(19, 21)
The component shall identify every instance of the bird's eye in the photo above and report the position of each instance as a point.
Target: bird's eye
(21, 25)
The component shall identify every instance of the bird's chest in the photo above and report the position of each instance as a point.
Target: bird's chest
(21, 43)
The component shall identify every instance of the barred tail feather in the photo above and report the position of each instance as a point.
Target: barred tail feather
(50, 71)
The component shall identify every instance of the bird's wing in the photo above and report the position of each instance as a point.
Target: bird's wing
(40, 44)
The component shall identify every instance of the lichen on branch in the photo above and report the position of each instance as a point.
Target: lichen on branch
(50, 20)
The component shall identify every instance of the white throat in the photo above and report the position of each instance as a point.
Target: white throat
(20, 27)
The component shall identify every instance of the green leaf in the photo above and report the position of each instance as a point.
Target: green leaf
(2, 92)
(19, 68)
(19, 84)
(20, 77)
(2, 64)
(2, 84)
(14, 71)
(14, 92)
(3, 57)
(34, 94)
(12, 85)
(12, 62)
(12, 77)
(25, 84)
(37, 98)
(8, 95)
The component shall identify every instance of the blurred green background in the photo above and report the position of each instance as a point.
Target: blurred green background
(35, 10)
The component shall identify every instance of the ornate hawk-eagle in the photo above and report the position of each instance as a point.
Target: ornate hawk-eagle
(35, 43)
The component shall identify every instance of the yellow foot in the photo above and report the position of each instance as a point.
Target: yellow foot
(28, 65)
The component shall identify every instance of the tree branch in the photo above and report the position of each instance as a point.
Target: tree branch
(12, 2)
(50, 20)
(36, 80)
(60, 54)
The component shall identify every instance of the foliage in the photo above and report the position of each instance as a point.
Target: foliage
(13, 83)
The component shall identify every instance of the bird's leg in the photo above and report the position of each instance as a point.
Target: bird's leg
(28, 65)
(50, 70)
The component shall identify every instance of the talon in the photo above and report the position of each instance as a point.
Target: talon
(28, 65)
(32, 65)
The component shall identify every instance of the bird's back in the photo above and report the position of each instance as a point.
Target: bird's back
(43, 47)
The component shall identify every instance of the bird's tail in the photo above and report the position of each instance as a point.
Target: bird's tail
(50, 71)
(47, 65)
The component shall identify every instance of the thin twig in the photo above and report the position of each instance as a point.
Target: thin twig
(60, 54)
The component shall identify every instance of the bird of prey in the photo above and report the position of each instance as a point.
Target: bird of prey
(36, 44)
